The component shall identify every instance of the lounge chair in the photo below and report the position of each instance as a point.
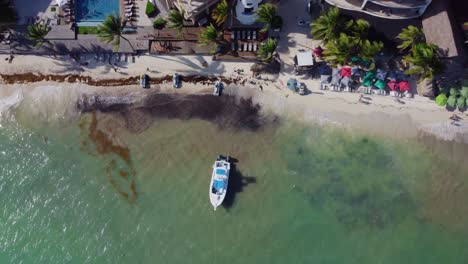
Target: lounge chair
(324, 81)
(335, 83)
(344, 83)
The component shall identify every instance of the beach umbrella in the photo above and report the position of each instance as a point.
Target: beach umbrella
(393, 85)
(381, 75)
(325, 70)
(292, 84)
(380, 84)
(368, 79)
(391, 76)
(346, 72)
(404, 86)
(318, 52)
(355, 71)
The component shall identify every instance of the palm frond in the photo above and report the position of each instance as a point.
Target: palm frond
(328, 26)
(176, 19)
(111, 30)
(37, 34)
(209, 36)
(267, 50)
(220, 12)
(410, 37)
(266, 14)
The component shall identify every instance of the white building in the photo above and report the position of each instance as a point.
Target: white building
(393, 9)
(245, 11)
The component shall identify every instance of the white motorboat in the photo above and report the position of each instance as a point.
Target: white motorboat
(219, 181)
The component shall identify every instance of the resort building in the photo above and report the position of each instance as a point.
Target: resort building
(195, 10)
(245, 11)
(392, 9)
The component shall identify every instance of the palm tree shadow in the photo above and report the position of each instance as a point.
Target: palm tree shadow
(237, 183)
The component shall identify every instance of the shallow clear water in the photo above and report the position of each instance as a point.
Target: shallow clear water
(72, 194)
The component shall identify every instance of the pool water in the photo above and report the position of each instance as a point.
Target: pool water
(95, 10)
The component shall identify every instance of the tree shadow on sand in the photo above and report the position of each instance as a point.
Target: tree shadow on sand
(237, 183)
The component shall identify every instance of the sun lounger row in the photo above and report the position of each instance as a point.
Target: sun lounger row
(114, 57)
(244, 46)
(244, 34)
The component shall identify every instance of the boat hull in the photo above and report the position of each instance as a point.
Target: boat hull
(219, 181)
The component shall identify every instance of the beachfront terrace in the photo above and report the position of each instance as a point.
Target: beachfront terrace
(391, 9)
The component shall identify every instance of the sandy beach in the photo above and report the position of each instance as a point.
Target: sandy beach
(381, 115)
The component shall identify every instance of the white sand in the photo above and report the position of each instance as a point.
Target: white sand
(383, 115)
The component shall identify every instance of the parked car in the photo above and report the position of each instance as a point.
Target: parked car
(218, 86)
(144, 81)
(176, 81)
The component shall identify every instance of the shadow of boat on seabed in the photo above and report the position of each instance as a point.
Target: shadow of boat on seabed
(237, 184)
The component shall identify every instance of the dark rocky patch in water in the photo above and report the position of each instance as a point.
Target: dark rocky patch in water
(139, 113)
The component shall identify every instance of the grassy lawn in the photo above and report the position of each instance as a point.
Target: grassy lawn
(88, 30)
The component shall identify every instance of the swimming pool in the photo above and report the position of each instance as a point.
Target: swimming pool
(95, 11)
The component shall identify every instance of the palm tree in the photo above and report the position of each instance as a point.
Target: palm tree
(37, 34)
(341, 50)
(425, 61)
(359, 29)
(369, 50)
(209, 36)
(220, 12)
(328, 26)
(267, 50)
(176, 20)
(411, 36)
(111, 30)
(267, 13)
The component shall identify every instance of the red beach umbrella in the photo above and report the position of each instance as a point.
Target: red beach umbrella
(404, 86)
(346, 72)
(392, 85)
(318, 51)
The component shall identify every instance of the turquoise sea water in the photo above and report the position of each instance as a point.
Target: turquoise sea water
(92, 192)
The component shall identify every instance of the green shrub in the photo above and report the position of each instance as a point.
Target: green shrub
(464, 92)
(461, 102)
(452, 101)
(441, 99)
(159, 23)
(151, 9)
(454, 91)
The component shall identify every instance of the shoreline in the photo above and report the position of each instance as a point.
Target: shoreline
(380, 115)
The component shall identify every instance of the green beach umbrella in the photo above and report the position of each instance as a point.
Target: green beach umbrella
(368, 79)
(380, 84)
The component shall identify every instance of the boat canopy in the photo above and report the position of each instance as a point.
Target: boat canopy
(221, 172)
(218, 184)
